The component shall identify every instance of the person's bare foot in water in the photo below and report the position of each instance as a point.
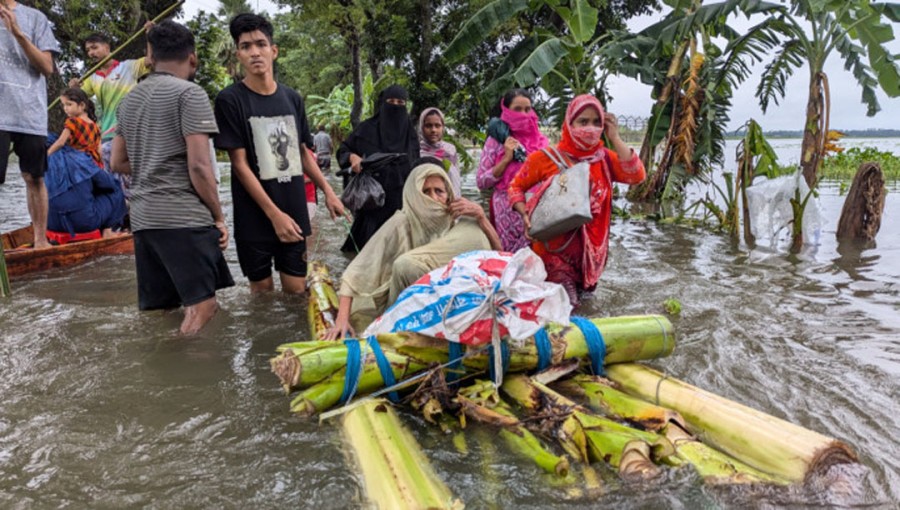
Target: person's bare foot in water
(196, 316)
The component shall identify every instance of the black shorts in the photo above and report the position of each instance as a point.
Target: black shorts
(256, 257)
(31, 149)
(179, 267)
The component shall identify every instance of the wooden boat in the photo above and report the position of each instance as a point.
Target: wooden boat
(21, 259)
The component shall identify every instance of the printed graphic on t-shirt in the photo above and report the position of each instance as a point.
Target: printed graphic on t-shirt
(277, 147)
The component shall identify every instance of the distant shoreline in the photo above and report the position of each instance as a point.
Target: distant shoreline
(850, 133)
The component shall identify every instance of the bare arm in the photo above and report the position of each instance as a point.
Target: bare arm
(285, 227)
(464, 207)
(118, 158)
(342, 321)
(41, 60)
(311, 169)
(509, 147)
(63, 138)
(203, 179)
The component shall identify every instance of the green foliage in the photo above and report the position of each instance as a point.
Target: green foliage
(672, 306)
(854, 28)
(553, 45)
(843, 166)
(73, 20)
(312, 57)
(209, 33)
(333, 110)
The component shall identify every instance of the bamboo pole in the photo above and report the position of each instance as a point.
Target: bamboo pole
(112, 55)
(767, 443)
(5, 290)
(395, 472)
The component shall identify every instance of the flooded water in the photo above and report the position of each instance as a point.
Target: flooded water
(104, 406)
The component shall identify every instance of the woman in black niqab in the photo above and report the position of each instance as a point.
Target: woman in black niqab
(389, 130)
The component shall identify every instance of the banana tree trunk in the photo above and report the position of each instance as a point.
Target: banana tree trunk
(395, 472)
(762, 441)
(812, 151)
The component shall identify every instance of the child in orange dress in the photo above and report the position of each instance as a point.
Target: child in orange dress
(81, 130)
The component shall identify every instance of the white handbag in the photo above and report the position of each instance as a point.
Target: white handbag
(566, 203)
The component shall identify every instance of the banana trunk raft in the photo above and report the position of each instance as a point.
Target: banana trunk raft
(635, 422)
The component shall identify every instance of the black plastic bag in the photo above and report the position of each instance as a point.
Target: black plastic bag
(363, 193)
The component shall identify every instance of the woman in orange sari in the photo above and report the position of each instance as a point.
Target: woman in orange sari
(577, 262)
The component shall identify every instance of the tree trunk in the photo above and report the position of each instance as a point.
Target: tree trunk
(356, 71)
(811, 151)
(864, 206)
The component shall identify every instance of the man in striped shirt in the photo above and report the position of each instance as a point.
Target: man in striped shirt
(162, 141)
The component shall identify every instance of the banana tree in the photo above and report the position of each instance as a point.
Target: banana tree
(334, 110)
(693, 78)
(854, 29)
(560, 57)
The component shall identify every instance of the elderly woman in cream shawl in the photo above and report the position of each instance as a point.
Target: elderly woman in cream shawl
(432, 227)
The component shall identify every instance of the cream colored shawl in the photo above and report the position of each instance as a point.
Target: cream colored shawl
(421, 220)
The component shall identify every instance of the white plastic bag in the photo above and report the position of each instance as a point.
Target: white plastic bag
(459, 301)
(771, 214)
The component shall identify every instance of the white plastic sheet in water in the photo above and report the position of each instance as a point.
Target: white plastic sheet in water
(771, 214)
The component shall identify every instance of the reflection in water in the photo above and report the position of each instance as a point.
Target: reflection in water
(106, 406)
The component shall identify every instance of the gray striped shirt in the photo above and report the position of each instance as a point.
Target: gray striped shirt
(154, 120)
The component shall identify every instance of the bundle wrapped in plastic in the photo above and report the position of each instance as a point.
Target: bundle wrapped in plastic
(479, 297)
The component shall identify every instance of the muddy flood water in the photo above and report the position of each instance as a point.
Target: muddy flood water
(102, 406)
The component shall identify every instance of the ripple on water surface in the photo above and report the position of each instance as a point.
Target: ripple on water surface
(106, 406)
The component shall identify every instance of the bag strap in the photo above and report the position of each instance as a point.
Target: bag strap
(564, 246)
(557, 158)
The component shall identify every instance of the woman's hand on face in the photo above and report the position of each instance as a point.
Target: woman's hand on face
(355, 163)
(464, 207)
(340, 330)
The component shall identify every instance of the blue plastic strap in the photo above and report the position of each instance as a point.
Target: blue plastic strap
(504, 356)
(594, 339)
(544, 349)
(354, 369)
(456, 352)
(384, 366)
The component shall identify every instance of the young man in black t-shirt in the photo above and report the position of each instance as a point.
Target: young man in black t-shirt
(263, 126)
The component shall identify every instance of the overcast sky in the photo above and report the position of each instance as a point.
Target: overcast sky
(633, 98)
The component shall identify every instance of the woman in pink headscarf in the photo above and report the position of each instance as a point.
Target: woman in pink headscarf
(576, 259)
(510, 139)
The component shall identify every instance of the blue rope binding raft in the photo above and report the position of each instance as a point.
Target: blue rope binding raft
(354, 368)
(384, 366)
(504, 357)
(456, 351)
(544, 349)
(594, 340)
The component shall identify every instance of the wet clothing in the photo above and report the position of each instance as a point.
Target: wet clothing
(580, 262)
(323, 150)
(82, 196)
(524, 128)
(443, 151)
(84, 135)
(415, 240)
(179, 267)
(388, 131)
(256, 258)
(272, 130)
(23, 88)
(31, 150)
(110, 88)
(154, 120)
